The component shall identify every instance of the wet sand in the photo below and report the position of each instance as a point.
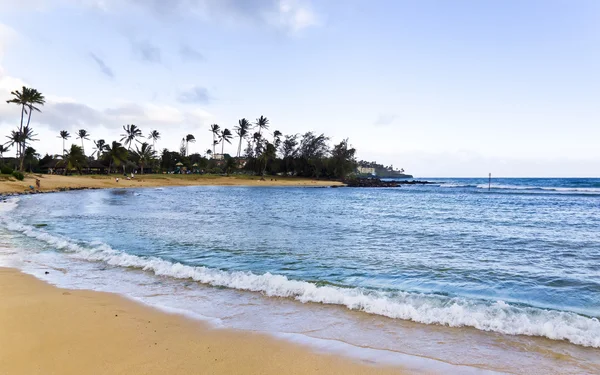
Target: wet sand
(47, 330)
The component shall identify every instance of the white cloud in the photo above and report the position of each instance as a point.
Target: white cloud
(64, 113)
(7, 36)
(295, 15)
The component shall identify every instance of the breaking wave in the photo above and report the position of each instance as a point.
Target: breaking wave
(422, 308)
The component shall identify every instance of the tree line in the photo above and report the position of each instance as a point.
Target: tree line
(265, 153)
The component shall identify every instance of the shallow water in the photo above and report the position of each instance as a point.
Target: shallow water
(504, 279)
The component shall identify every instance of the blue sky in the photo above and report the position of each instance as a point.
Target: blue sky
(440, 88)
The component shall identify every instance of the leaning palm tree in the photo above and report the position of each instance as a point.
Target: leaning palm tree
(154, 136)
(64, 135)
(214, 128)
(116, 154)
(131, 133)
(242, 131)
(28, 98)
(188, 138)
(73, 159)
(3, 149)
(99, 149)
(144, 155)
(262, 123)
(83, 134)
(225, 136)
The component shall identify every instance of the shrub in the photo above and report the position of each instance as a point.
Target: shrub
(18, 175)
(6, 170)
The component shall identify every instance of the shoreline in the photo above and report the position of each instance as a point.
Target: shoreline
(57, 183)
(48, 330)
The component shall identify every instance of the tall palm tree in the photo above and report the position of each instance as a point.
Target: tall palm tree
(100, 147)
(262, 123)
(188, 138)
(242, 131)
(116, 154)
(225, 136)
(73, 159)
(144, 155)
(214, 128)
(154, 136)
(3, 149)
(64, 135)
(131, 133)
(28, 98)
(83, 134)
(208, 152)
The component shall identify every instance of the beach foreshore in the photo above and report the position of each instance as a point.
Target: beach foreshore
(49, 183)
(48, 330)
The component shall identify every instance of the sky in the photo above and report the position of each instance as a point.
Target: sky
(440, 88)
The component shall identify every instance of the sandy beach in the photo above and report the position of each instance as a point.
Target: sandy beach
(58, 182)
(47, 330)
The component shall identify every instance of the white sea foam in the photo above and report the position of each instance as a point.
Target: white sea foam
(423, 308)
(588, 190)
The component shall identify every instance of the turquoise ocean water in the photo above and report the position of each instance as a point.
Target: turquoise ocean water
(503, 278)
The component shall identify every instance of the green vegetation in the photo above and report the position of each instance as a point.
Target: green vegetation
(18, 175)
(308, 155)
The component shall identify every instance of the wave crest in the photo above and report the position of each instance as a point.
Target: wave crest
(422, 308)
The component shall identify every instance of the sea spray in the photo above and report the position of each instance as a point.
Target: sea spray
(418, 307)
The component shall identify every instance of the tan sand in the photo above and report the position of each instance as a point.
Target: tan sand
(47, 330)
(57, 182)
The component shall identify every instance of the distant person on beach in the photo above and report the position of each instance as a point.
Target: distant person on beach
(117, 179)
(37, 183)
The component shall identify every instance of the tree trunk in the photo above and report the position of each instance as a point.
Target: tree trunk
(222, 147)
(23, 141)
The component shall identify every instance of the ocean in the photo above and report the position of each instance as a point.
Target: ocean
(453, 277)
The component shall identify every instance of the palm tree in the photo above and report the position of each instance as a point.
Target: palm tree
(277, 139)
(116, 154)
(64, 135)
(83, 134)
(267, 155)
(26, 137)
(28, 98)
(100, 147)
(208, 152)
(225, 136)
(230, 166)
(256, 142)
(188, 138)
(241, 130)
(131, 133)
(214, 128)
(73, 159)
(155, 136)
(15, 139)
(262, 123)
(144, 155)
(3, 149)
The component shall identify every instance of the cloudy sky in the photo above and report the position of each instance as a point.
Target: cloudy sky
(441, 88)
